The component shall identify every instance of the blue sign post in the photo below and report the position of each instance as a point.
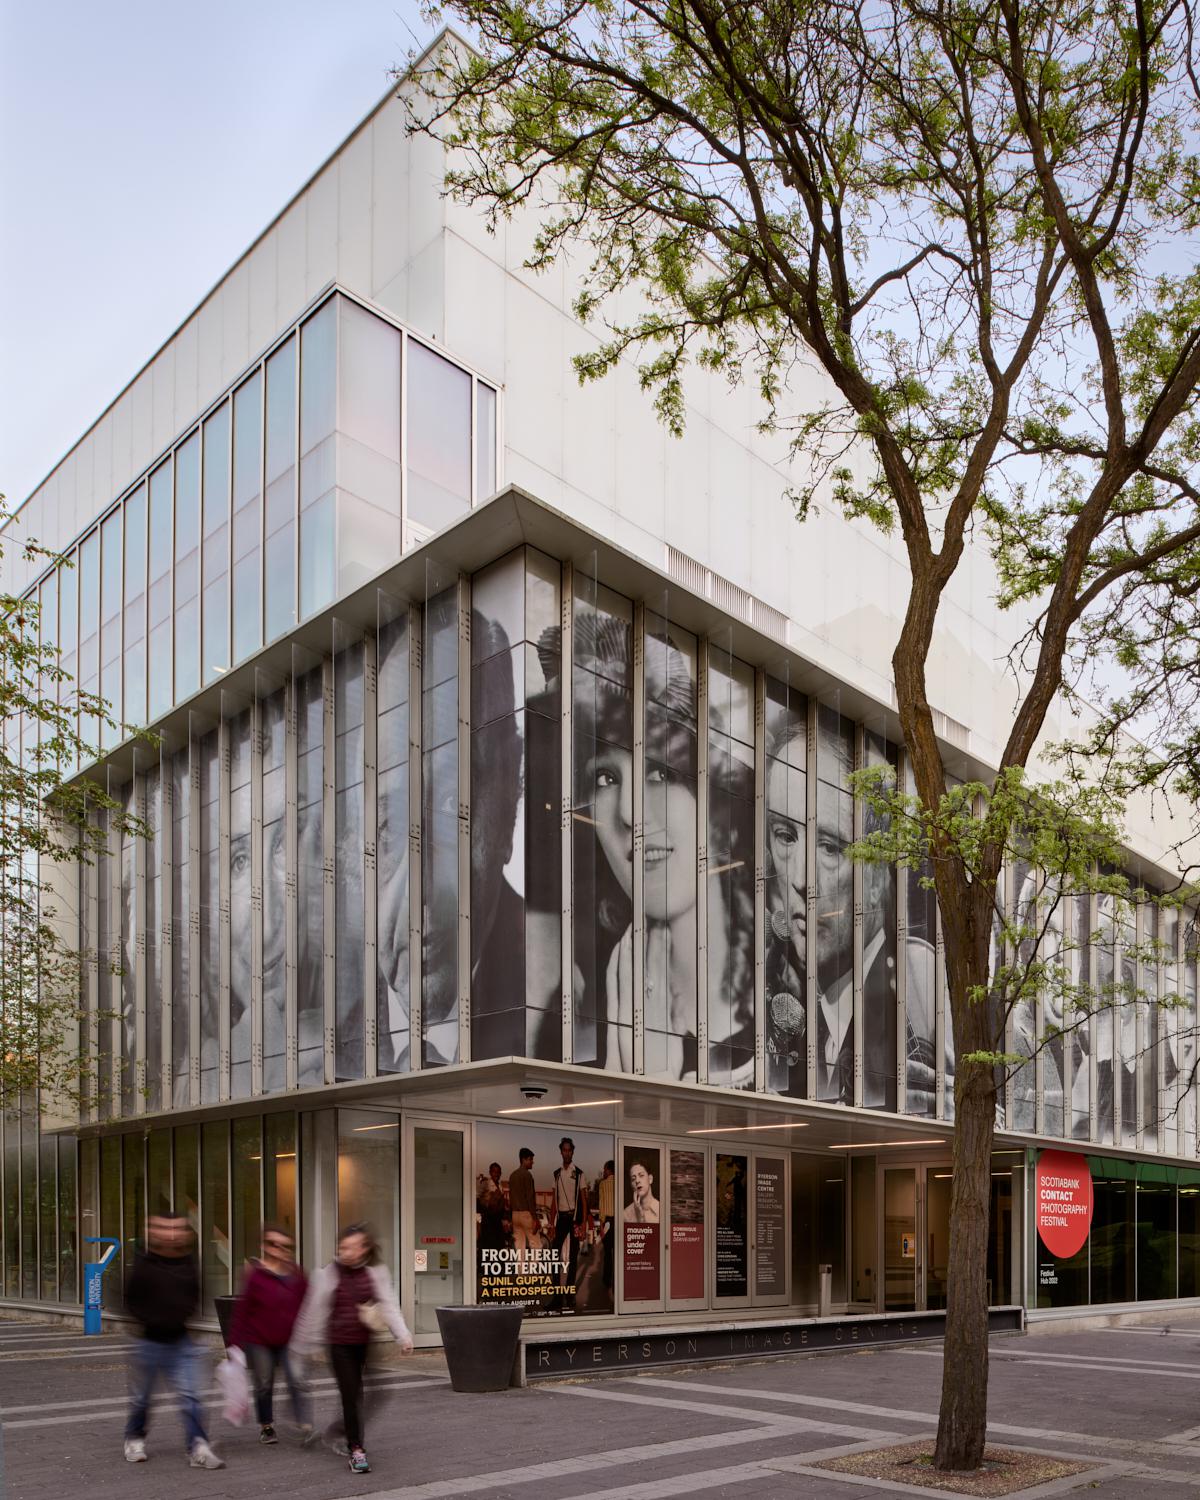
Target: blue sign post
(93, 1273)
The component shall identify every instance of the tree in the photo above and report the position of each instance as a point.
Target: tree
(48, 825)
(978, 218)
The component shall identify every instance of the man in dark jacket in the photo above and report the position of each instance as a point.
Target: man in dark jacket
(162, 1293)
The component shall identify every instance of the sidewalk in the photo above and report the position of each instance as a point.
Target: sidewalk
(1126, 1401)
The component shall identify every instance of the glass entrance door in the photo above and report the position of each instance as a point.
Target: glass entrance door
(435, 1263)
(901, 1244)
(915, 1252)
(936, 1239)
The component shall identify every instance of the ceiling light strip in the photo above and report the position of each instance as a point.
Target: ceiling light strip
(541, 1109)
(883, 1145)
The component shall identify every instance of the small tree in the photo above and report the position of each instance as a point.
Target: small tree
(47, 826)
(978, 217)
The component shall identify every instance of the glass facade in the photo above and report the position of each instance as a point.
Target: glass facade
(279, 526)
(159, 596)
(1143, 1243)
(215, 607)
(494, 800)
(240, 904)
(393, 902)
(516, 751)
(247, 535)
(290, 492)
(440, 822)
(350, 1004)
(729, 874)
(602, 743)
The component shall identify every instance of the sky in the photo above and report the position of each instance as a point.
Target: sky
(143, 146)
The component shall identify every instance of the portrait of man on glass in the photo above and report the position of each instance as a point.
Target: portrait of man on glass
(788, 949)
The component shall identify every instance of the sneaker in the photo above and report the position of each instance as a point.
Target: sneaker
(135, 1451)
(358, 1462)
(267, 1435)
(308, 1434)
(202, 1456)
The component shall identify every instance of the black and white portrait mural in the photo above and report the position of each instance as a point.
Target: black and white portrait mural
(392, 949)
(831, 949)
(729, 873)
(833, 945)
(786, 873)
(669, 858)
(602, 821)
(921, 1037)
(1040, 912)
(310, 875)
(154, 936)
(1116, 1018)
(181, 961)
(273, 720)
(440, 821)
(879, 952)
(240, 902)
(516, 866)
(604, 845)
(207, 748)
(1078, 925)
(1024, 912)
(349, 868)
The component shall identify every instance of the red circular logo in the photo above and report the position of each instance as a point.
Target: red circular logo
(1063, 1186)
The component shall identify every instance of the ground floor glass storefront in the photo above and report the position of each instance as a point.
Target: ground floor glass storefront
(1143, 1243)
(577, 1222)
(569, 1220)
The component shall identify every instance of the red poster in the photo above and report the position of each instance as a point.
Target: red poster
(1063, 1195)
(643, 1262)
(687, 1261)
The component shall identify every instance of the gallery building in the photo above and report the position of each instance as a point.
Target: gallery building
(498, 796)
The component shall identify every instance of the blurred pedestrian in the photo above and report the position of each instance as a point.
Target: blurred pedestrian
(162, 1295)
(272, 1295)
(348, 1301)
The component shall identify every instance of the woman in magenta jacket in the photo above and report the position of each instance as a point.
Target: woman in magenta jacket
(272, 1295)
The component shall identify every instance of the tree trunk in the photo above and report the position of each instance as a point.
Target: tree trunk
(962, 1420)
(966, 906)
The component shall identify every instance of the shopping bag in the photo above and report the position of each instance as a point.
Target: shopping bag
(235, 1387)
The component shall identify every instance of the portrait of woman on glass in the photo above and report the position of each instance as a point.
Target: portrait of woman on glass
(604, 806)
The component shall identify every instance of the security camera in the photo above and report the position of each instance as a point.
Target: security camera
(534, 1090)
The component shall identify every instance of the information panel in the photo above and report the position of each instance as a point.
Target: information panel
(770, 1235)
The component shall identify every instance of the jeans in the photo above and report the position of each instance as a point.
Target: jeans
(349, 1361)
(264, 1362)
(180, 1363)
